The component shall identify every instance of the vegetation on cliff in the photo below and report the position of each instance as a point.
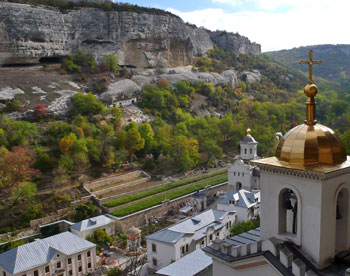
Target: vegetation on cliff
(65, 5)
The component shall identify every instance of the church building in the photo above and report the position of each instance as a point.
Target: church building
(242, 174)
(305, 210)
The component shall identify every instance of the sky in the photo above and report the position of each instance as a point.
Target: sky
(275, 24)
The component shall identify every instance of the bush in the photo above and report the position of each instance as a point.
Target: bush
(244, 226)
(44, 163)
(111, 63)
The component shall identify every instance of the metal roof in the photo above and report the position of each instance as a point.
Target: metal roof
(92, 223)
(40, 252)
(248, 139)
(196, 225)
(189, 265)
(243, 198)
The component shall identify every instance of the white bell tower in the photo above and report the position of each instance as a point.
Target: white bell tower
(305, 189)
(248, 147)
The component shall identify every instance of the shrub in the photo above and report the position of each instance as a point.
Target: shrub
(111, 63)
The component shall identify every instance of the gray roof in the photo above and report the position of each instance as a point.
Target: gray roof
(189, 265)
(196, 225)
(243, 198)
(40, 252)
(92, 223)
(248, 139)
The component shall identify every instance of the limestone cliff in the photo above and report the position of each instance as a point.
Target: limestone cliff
(28, 34)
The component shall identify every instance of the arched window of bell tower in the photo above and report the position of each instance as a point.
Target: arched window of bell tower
(245, 151)
(342, 218)
(288, 212)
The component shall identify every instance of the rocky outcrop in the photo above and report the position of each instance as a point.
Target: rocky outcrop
(28, 34)
(123, 89)
(228, 77)
(235, 43)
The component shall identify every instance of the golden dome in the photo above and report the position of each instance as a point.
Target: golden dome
(311, 144)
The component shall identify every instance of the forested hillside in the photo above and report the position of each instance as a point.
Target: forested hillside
(335, 59)
(48, 152)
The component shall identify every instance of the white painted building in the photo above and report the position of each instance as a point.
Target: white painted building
(246, 204)
(242, 174)
(178, 240)
(87, 227)
(64, 254)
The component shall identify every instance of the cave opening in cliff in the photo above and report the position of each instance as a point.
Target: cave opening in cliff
(51, 60)
(18, 65)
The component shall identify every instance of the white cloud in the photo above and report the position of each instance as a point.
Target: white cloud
(306, 23)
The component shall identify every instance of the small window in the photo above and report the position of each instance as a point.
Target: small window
(238, 174)
(234, 173)
(80, 268)
(70, 272)
(154, 248)
(88, 254)
(59, 265)
(251, 151)
(217, 234)
(202, 243)
(4, 273)
(211, 237)
(187, 247)
(47, 269)
(69, 260)
(79, 257)
(245, 151)
(89, 265)
(58, 255)
(182, 249)
(242, 174)
(36, 273)
(155, 262)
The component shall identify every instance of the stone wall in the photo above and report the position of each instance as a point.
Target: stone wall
(114, 178)
(144, 40)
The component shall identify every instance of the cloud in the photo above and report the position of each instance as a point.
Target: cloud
(302, 24)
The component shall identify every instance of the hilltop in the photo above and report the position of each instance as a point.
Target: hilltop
(335, 59)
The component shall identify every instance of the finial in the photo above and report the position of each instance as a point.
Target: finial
(248, 131)
(310, 91)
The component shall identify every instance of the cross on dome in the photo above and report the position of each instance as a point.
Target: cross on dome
(310, 62)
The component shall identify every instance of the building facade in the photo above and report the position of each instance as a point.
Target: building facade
(246, 204)
(64, 254)
(242, 174)
(172, 243)
(87, 227)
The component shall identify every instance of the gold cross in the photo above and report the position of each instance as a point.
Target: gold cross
(310, 62)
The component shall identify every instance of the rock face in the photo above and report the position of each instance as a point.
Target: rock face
(228, 77)
(123, 89)
(235, 43)
(28, 34)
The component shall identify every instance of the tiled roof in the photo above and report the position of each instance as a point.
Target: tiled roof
(92, 223)
(40, 252)
(189, 265)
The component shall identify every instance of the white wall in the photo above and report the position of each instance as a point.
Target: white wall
(109, 228)
(165, 254)
(316, 208)
(245, 175)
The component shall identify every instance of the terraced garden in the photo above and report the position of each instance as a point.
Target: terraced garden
(169, 191)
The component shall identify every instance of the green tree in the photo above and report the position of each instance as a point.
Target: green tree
(134, 141)
(111, 62)
(86, 104)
